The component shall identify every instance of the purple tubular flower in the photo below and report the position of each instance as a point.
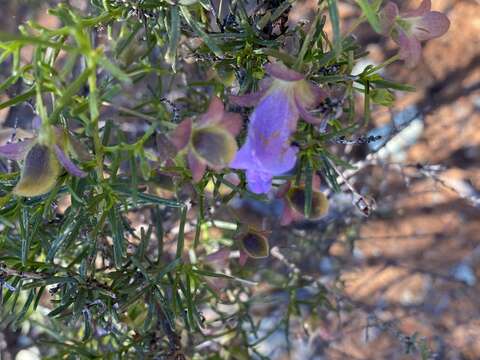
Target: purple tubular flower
(412, 27)
(42, 157)
(267, 151)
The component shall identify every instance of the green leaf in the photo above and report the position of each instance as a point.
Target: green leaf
(49, 281)
(308, 189)
(23, 40)
(159, 231)
(87, 322)
(117, 235)
(330, 174)
(307, 41)
(382, 97)
(38, 297)
(198, 29)
(124, 42)
(147, 198)
(68, 231)
(144, 242)
(9, 82)
(187, 291)
(335, 20)
(26, 306)
(60, 309)
(371, 14)
(168, 269)
(181, 233)
(67, 95)
(382, 83)
(18, 99)
(114, 70)
(173, 37)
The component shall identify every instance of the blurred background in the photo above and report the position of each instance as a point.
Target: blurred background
(409, 271)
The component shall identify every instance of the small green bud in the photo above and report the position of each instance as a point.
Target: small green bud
(382, 97)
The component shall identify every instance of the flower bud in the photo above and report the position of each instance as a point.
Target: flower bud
(254, 244)
(215, 146)
(39, 173)
(296, 198)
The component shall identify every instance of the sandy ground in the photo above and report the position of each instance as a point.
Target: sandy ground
(417, 259)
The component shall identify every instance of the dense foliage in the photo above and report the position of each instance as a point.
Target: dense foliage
(123, 234)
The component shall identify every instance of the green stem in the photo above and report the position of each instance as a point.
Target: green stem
(94, 116)
(366, 104)
(382, 65)
(306, 42)
(140, 115)
(131, 147)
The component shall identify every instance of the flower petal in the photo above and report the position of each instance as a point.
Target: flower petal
(197, 167)
(316, 182)
(243, 258)
(36, 122)
(283, 189)
(287, 215)
(217, 284)
(232, 122)
(67, 163)
(259, 182)
(244, 158)
(214, 112)
(290, 215)
(410, 49)
(271, 126)
(280, 71)
(305, 115)
(267, 151)
(214, 145)
(255, 245)
(219, 258)
(387, 17)
(15, 151)
(247, 100)
(432, 25)
(39, 173)
(180, 137)
(252, 99)
(166, 149)
(318, 93)
(232, 178)
(424, 8)
(286, 161)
